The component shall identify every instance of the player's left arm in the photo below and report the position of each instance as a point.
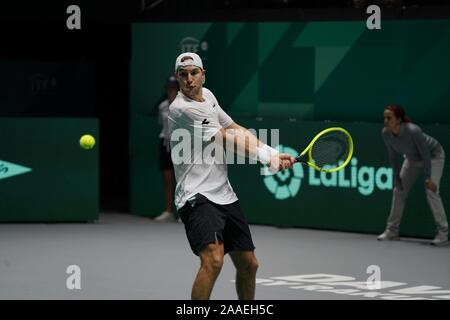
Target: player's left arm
(240, 131)
(247, 144)
(250, 146)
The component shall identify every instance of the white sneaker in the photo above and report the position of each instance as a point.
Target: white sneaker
(388, 235)
(440, 240)
(166, 216)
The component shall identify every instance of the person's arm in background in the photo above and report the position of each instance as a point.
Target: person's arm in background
(394, 161)
(419, 141)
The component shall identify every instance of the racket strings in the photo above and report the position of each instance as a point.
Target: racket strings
(330, 150)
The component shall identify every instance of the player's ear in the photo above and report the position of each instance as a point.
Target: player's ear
(203, 76)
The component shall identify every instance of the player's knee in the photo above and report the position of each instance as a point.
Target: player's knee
(212, 260)
(250, 266)
(253, 266)
(215, 263)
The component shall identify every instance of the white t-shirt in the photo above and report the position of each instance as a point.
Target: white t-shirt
(201, 120)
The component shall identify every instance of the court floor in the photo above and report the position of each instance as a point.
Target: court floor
(128, 257)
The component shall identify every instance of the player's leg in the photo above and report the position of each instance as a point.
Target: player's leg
(246, 266)
(239, 244)
(435, 201)
(204, 223)
(211, 258)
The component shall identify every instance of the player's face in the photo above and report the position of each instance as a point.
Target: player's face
(390, 120)
(190, 79)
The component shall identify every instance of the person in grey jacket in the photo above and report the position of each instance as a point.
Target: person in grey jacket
(422, 155)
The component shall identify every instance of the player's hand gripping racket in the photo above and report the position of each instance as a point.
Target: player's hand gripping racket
(329, 151)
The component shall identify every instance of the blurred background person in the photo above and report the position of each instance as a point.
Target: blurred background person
(165, 161)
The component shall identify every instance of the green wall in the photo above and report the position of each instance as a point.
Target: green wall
(293, 77)
(351, 200)
(63, 183)
(307, 70)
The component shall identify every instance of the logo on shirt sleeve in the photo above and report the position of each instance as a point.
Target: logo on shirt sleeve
(205, 121)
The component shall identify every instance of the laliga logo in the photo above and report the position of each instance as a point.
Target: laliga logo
(283, 184)
(190, 44)
(286, 184)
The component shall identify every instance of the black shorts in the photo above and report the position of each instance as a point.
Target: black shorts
(206, 222)
(165, 161)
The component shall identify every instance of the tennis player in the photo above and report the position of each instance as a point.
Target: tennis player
(423, 155)
(206, 202)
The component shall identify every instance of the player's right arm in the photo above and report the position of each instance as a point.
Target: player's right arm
(244, 143)
(234, 138)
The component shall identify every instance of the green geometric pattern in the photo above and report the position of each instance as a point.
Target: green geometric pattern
(311, 71)
(341, 70)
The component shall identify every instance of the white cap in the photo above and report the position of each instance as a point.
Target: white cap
(188, 59)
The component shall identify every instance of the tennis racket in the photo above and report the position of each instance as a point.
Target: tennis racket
(329, 151)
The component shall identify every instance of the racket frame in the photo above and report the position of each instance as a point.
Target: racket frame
(306, 156)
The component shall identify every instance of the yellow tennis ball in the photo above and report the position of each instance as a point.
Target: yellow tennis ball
(87, 141)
